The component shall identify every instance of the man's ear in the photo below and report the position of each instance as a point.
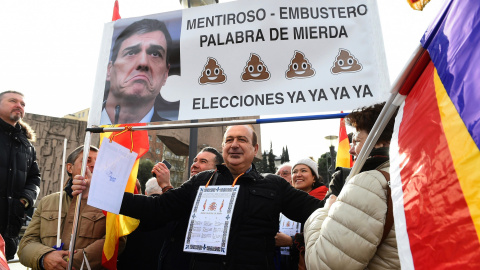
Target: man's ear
(256, 149)
(69, 168)
(109, 67)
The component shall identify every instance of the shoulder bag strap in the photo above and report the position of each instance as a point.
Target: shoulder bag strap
(389, 215)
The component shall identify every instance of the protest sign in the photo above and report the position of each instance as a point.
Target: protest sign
(243, 58)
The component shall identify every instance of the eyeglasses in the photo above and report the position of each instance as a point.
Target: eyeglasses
(285, 173)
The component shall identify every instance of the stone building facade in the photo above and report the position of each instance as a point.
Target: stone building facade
(51, 132)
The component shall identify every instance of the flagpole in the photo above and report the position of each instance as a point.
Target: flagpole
(86, 150)
(221, 123)
(399, 90)
(58, 245)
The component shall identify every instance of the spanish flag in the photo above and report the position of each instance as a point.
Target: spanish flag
(434, 152)
(344, 159)
(118, 225)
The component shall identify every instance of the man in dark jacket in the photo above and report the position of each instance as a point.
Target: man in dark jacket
(251, 242)
(19, 173)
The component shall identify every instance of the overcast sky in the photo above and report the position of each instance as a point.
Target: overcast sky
(50, 53)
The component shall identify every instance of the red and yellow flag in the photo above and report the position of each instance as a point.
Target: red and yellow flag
(118, 225)
(344, 159)
(418, 4)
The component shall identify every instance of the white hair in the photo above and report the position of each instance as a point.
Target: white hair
(283, 165)
(152, 187)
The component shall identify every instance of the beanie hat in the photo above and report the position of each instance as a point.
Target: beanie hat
(310, 163)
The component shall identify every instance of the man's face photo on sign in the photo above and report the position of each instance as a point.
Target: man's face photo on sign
(140, 69)
(137, 71)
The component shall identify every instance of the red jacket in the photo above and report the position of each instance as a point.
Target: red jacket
(319, 192)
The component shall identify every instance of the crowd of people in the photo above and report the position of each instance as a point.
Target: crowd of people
(287, 220)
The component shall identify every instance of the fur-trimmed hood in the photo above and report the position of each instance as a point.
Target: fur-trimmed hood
(29, 132)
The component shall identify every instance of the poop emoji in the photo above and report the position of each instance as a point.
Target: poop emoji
(255, 70)
(345, 62)
(299, 67)
(212, 73)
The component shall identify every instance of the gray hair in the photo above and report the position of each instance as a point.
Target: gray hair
(283, 165)
(152, 187)
(10, 92)
(75, 153)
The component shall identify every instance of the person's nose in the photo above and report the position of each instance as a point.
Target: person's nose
(91, 165)
(235, 143)
(142, 61)
(18, 105)
(351, 151)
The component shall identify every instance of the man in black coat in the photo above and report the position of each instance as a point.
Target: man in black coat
(251, 243)
(19, 173)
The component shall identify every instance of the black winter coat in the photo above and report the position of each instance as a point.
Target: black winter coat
(260, 201)
(19, 177)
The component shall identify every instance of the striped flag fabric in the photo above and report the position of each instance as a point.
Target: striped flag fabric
(435, 148)
(119, 225)
(344, 159)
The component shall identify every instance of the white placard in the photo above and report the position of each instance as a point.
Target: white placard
(246, 58)
(112, 169)
(290, 228)
(210, 220)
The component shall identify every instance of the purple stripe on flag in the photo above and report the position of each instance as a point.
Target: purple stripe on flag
(453, 43)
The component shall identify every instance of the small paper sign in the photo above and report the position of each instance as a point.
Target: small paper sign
(210, 219)
(290, 228)
(112, 169)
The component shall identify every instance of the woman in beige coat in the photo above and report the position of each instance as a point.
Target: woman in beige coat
(347, 232)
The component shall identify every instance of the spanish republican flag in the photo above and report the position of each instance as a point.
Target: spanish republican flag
(118, 225)
(434, 152)
(344, 159)
(418, 4)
